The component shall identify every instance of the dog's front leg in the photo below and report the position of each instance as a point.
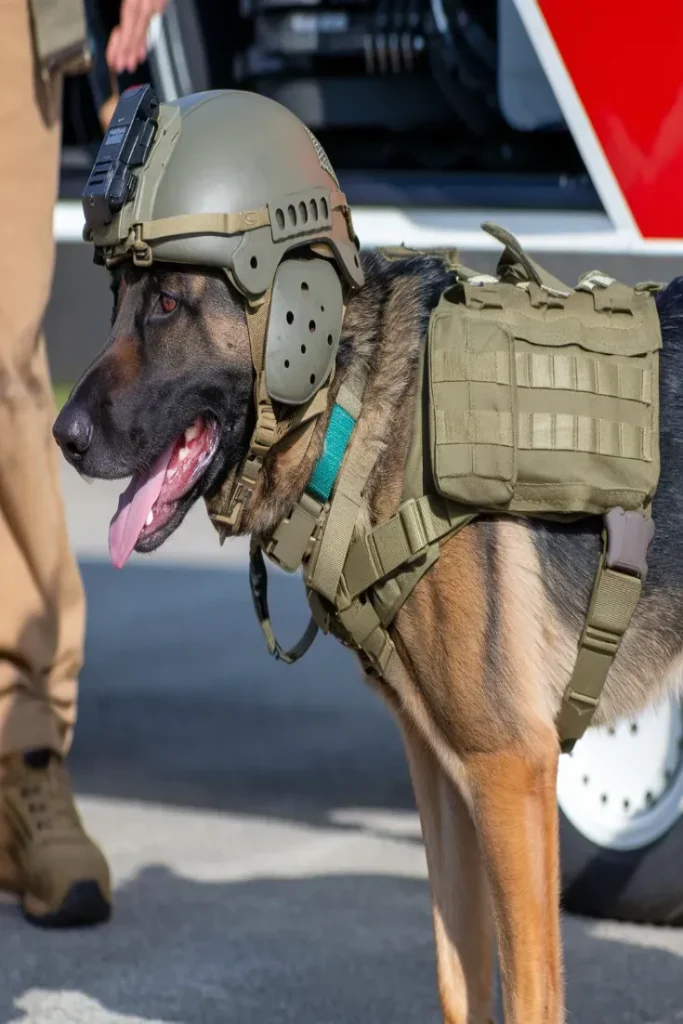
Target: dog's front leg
(515, 810)
(463, 922)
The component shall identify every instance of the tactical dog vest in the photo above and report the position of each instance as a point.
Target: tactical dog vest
(536, 400)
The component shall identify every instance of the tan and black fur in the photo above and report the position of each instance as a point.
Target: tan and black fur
(488, 639)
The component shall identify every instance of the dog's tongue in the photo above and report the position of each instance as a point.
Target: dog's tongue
(134, 506)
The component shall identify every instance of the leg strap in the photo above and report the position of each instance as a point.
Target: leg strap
(617, 587)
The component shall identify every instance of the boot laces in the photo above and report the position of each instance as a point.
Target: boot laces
(47, 800)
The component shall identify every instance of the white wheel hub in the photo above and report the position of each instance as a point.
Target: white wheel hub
(622, 787)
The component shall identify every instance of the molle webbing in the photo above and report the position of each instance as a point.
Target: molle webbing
(545, 402)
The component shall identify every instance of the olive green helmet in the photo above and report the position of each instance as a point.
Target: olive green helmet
(233, 180)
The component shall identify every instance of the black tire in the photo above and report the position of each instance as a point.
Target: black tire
(643, 885)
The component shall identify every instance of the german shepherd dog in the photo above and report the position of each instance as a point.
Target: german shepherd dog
(488, 639)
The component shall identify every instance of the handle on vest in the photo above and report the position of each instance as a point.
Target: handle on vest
(514, 254)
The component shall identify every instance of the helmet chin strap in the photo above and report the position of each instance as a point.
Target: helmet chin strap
(227, 508)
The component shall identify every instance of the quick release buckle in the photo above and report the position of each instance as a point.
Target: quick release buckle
(414, 529)
(294, 537)
(142, 251)
(240, 496)
(266, 431)
(629, 535)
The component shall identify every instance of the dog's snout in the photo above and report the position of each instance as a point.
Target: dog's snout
(73, 430)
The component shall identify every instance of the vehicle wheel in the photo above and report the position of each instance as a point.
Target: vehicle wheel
(621, 820)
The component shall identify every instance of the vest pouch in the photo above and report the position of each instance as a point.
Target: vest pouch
(472, 404)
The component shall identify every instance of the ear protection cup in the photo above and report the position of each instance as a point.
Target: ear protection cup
(304, 327)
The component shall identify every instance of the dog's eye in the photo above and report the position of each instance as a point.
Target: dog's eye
(167, 302)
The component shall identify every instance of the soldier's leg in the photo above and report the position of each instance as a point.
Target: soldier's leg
(41, 599)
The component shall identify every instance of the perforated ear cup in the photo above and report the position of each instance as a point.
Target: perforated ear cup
(304, 327)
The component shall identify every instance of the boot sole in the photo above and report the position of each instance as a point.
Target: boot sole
(83, 905)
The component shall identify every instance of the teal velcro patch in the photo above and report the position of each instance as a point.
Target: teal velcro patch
(337, 438)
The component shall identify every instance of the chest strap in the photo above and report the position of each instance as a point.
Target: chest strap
(292, 542)
(401, 540)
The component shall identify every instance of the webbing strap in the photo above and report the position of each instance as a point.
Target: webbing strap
(346, 503)
(617, 587)
(457, 364)
(609, 295)
(337, 437)
(258, 578)
(266, 430)
(203, 224)
(400, 540)
(292, 539)
(215, 223)
(534, 370)
(474, 426)
(228, 509)
(362, 624)
(544, 431)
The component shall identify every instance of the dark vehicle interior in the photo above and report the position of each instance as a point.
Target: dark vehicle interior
(417, 102)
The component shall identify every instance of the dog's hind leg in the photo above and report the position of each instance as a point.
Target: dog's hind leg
(461, 904)
(515, 810)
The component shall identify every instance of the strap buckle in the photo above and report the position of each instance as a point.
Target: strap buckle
(142, 251)
(293, 539)
(414, 529)
(629, 535)
(240, 496)
(266, 430)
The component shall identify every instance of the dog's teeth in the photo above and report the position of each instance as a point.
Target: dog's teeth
(172, 472)
(150, 519)
(191, 433)
(182, 454)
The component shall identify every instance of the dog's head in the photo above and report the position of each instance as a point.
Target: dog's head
(168, 402)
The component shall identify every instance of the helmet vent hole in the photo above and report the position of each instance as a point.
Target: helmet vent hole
(312, 378)
(286, 364)
(303, 212)
(303, 350)
(311, 326)
(304, 286)
(314, 209)
(322, 309)
(280, 218)
(290, 317)
(292, 215)
(324, 207)
(355, 259)
(253, 263)
(329, 339)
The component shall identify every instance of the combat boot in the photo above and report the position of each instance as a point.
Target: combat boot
(46, 857)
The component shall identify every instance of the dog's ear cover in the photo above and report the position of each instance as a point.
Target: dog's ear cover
(304, 328)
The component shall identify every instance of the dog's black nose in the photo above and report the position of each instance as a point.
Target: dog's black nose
(72, 431)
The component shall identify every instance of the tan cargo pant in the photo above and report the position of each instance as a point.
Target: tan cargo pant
(42, 610)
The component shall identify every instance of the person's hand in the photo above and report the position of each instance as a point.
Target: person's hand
(127, 46)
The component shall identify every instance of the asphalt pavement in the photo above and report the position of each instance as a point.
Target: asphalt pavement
(259, 823)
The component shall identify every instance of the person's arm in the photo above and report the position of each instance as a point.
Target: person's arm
(127, 46)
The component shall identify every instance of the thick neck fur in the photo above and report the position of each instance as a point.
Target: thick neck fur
(384, 330)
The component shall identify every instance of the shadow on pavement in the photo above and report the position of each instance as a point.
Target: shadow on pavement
(330, 950)
(182, 705)
(338, 949)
